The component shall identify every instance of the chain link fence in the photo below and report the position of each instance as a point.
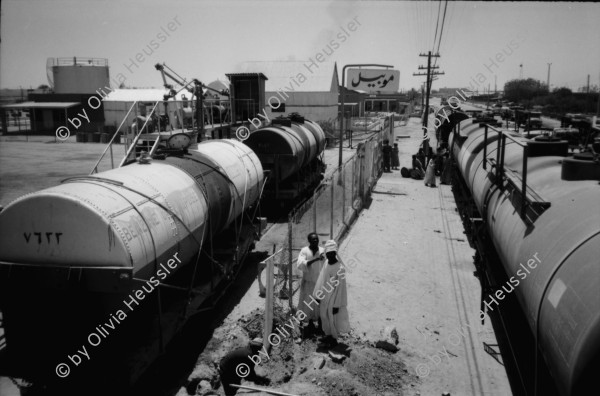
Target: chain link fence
(329, 212)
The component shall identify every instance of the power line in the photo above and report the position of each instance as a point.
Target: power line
(442, 30)
(437, 24)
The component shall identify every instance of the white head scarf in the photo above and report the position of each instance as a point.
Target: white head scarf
(330, 246)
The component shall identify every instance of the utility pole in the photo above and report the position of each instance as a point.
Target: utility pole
(430, 73)
(598, 108)
(548, 79)
(495, 85)
(587, 99)
(588, 85)
(521, 72)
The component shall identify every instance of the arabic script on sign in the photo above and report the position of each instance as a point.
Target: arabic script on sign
(373, 80)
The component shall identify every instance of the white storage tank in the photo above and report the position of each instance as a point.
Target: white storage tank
(79, 75)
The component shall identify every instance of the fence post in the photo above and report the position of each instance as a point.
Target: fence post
(353, 180)
(290, 244)
(269, 305)
(343, 176)
(331, 209)
(314, 212)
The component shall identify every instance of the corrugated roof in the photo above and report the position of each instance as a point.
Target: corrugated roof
(141, 95)
(41, 105)
(318, 77)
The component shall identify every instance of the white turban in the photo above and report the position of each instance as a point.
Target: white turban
(330, 246)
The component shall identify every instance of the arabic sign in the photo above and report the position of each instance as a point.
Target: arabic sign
(373, 80)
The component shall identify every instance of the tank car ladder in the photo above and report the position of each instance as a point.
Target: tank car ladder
(133, 143)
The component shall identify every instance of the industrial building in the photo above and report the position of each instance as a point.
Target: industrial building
(298, 86)
(74, 82)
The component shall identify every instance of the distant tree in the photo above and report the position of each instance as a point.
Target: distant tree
(43, 87)
(593, 88)
(562, 92)
(522, 90)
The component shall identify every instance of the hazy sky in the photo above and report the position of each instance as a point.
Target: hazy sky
(209, 38)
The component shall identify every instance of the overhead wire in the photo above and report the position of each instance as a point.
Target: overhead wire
(437, 24)
(439, 41)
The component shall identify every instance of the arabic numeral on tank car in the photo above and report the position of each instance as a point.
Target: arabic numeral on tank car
(42, 237)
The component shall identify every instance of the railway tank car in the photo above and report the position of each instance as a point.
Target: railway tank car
(74, 255)
(289, 150)
(557, 218)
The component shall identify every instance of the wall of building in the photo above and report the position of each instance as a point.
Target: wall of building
(315, 106)
(95, 116)
(80, 79)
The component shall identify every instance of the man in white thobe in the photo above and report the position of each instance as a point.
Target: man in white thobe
(332, 292)
(310, 262)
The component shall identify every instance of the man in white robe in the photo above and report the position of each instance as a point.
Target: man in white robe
(332, 292)
(310, 262)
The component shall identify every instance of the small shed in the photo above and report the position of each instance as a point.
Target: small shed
(44, 117)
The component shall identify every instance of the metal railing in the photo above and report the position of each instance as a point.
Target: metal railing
(77, 61)
(110, 143)
(529, 199)
(137, 136)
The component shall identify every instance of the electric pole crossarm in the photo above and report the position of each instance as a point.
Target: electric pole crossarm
(431, 73)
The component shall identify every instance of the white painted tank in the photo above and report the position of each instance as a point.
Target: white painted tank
(119, 218)
(242, 167)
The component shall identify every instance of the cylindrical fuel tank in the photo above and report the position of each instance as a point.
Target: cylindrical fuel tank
(308, 141)
(278, 145)
(242, 168)
(130, 216)
(119, 218)
(290, 147)
(559, 292)
(318, 133)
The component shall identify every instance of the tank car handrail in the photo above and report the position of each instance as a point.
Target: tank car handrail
(501, 173)
(109, 145)
(137, 137)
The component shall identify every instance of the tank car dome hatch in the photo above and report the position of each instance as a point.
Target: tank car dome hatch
(580, 169)
(547, 146)
(179, 141)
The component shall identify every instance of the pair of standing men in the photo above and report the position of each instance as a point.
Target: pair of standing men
(323, 274)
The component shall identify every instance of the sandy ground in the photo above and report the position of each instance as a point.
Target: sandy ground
(415, 267)
(413, 270)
